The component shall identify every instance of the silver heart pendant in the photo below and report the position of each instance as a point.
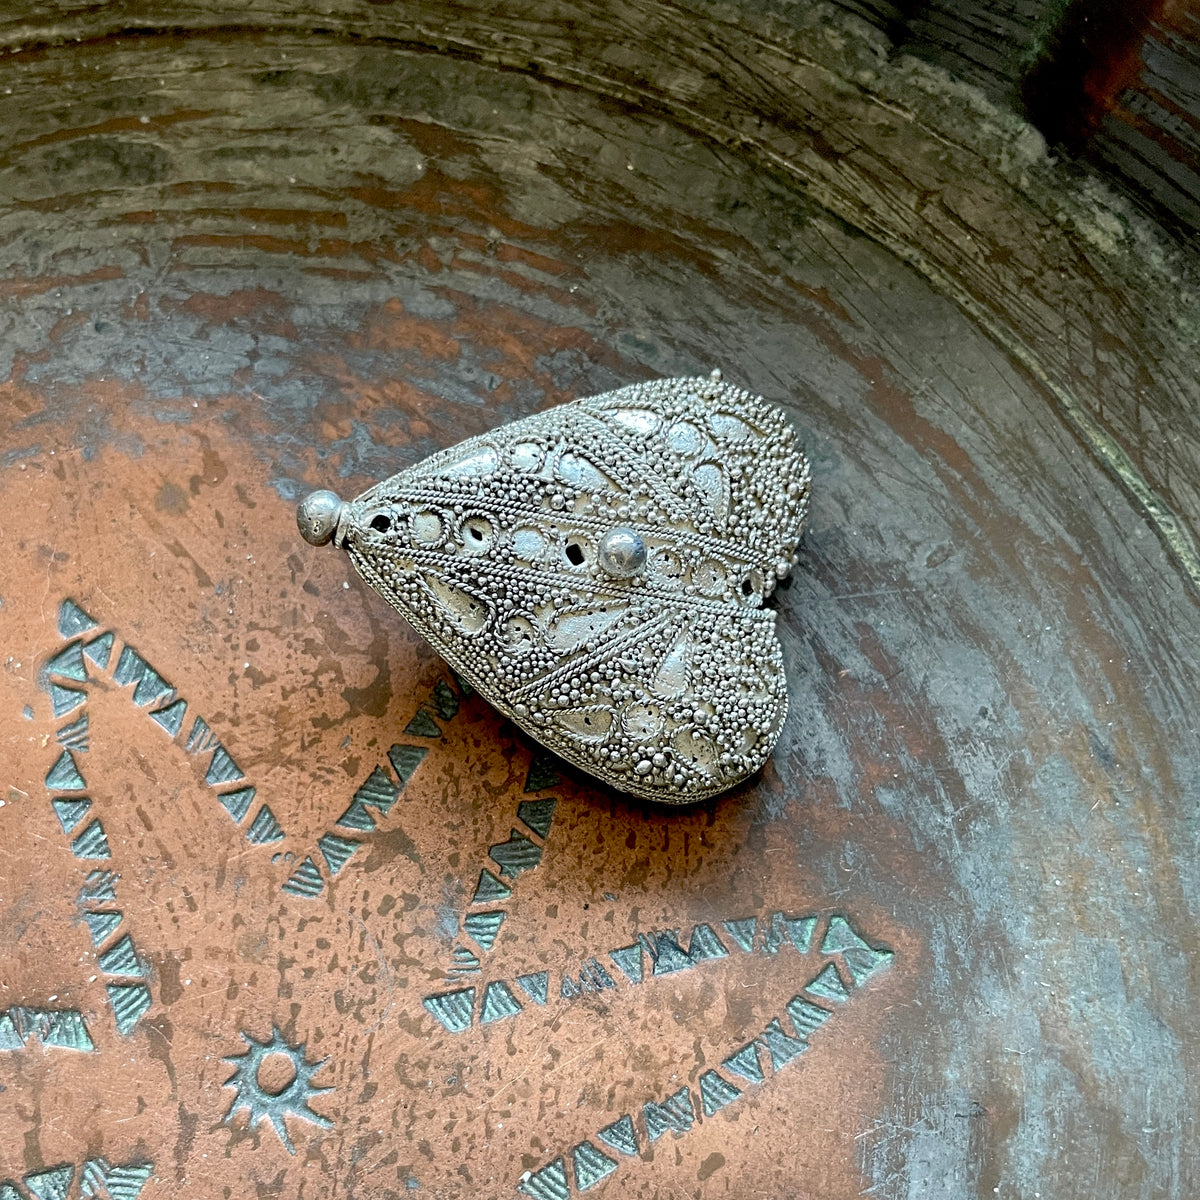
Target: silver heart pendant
(597, 572)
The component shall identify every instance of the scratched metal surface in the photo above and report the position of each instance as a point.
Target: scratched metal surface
(240, 265)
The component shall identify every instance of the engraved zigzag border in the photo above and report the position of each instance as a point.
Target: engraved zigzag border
(88, 654)
(98, 1180)
(651, 956)
(119, 961)
(806, 1012)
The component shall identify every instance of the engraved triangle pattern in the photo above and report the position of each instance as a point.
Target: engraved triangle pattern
(598, 573)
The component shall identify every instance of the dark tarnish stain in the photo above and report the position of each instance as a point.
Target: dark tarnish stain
(388, 845)
(171, 499)
(189, 1123)
(373, 699)
(101, 161)
(160, 1034)
(212, 470)
(202, 578)
(168, 968)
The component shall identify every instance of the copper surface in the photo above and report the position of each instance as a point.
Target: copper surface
(278, 263)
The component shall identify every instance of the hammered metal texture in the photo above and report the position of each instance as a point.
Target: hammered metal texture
(249, 250)
(668, 682)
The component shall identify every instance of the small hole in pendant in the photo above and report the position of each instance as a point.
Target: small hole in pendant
(381, 524)
(747, 586)
(477, 535)
(575, 555)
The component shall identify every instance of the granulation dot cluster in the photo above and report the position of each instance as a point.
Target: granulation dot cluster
(657, 668)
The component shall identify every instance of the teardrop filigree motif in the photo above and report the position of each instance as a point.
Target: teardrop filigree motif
(598, 572)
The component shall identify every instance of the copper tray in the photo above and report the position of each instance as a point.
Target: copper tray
(944, 945)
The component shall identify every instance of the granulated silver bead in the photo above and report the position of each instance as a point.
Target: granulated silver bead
(622, 552)
(318, 516)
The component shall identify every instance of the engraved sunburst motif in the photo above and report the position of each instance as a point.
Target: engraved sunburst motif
(274, 1106)
(598, 573)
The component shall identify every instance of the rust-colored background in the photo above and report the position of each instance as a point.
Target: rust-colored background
(240, 263)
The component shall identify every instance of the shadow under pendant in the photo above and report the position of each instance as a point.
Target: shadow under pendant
(597, 573)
